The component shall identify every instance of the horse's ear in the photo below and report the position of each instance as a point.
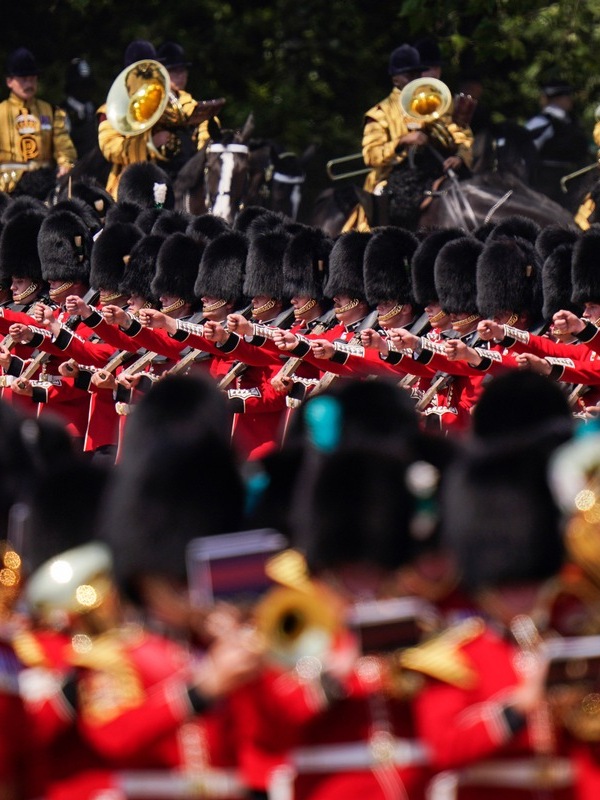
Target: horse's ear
(248, 128)
(214, 130)
(308, 154)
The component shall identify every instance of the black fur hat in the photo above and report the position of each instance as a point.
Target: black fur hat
(247, 215)
(110, 253)
(64, 247)
(454, 273)
(553, 236)
(346, 266)
(19, 204)
(221, 272)
(386, 266)
(264, 265)
(87, 213)
(369, 525)
(423, 261)
(516, 226)
(122, 212)
(177, 267)
(96, 196)
(509, 278)
(557, 287)
(499, 517)
(19, 255)
(207, 227)
(541, 403)
(168, 222)
(141, 269)
(306, 263)
(177, 474)
(146, 219)
(137, 185)
(585, 274)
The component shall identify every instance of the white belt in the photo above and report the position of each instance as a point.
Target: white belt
(525, 773)
(356, 756)
(210, 783)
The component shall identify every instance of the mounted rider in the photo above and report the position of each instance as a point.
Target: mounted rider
(393, 143)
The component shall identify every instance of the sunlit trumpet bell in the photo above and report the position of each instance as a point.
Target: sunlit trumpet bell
(425, 99)
(138, 97)
(296, 625)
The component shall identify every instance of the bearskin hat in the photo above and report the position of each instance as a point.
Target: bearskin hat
(110, 253)
(64, 247)
(557, 287)
(141, 269)
(177, 473)
(19, 255)
(94, 195)
(207, 227)
(19, 204)
(247, 216)
(454, 274)
(168, 222)
(122, 212)
(553, 236)
(177, 267)
(584, 268)
(264, 265)
(137, 185)
(509, 278)
(516, 227)
(306, 263)
(386, 266)
(423, 261)
(221, 272)
(499, 518)
(346, 266)
(83, 210)
(541, 401)
(145, 219)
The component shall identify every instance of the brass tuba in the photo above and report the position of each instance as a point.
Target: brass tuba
(139, 97)
(424, 102)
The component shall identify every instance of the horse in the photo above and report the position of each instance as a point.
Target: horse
(233, 171)
(504, 163)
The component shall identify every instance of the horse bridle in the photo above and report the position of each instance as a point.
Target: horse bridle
(224, 187)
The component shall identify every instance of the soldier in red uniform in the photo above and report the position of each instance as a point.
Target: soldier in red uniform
(489, 728)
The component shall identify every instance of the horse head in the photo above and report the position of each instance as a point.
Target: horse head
(226, 169)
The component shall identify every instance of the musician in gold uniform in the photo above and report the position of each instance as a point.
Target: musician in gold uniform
(387, 139)
(168, 145)
(32, 131)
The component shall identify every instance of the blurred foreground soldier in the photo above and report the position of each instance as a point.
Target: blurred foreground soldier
(488, 727)
(32, 132)
(352, 734)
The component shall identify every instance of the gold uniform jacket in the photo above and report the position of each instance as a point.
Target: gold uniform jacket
(35, 131)
(385, 123)
(124, 150)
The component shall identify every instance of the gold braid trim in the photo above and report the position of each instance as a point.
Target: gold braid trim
(441, 658)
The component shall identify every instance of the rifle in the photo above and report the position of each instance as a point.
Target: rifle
(329, 377)
(284, 321)
(323, 324)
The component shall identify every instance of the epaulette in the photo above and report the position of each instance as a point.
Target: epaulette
(441, 656)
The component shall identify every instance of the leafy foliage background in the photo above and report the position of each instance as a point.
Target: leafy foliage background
(308, 69)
